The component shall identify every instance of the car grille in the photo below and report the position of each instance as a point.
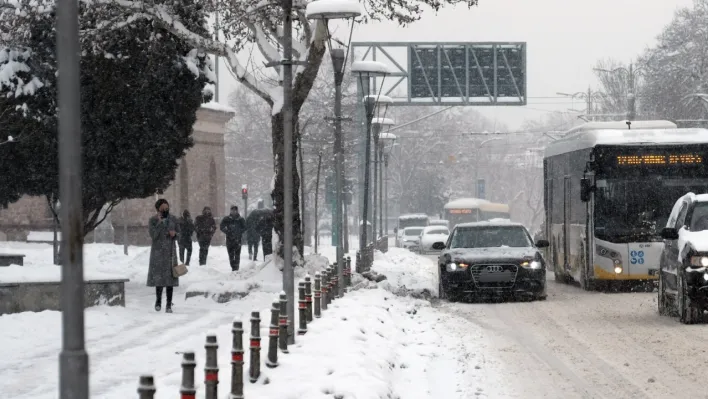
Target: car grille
(494, 275)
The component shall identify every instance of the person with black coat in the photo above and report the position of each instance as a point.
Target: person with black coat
(265, 230)
(205, 226)
(233, 226)
(186, 230)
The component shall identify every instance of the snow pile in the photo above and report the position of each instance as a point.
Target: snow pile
(406, 273)
(697, 240)
(218, 107)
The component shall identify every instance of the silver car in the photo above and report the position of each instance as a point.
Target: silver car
(411, 237)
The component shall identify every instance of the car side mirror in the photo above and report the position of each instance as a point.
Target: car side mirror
(542, 244)
(586, 188)
(439, 246)
(669, 233)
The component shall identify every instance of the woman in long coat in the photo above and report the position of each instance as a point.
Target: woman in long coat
(163, 254)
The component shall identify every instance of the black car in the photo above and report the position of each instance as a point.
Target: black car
(485, 259)
(683, 266)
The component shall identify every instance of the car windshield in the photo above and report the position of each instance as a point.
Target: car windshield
(632, 209)
(490, 237)
(438, 232)
(699, 220)
(412, 232)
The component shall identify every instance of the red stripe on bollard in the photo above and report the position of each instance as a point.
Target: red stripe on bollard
(274, 332)
(237, 357)
(185, 396)
(302, 305)
(283, 321)
(255, 343)
(211, 376)
(309, 298)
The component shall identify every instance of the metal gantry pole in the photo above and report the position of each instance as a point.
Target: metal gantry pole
(381, 185)
(386, 194)
(374, 214)
(73, 359)
(338, 63)
(287, 62)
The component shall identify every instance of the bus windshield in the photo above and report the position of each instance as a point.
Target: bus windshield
(412, 222)
(633, 209)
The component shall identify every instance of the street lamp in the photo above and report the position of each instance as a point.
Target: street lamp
(325, 11)
(378, 125)
(366, 70)
(387, 142)
(631, 95)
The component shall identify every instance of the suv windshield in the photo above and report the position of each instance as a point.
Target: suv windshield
(412, 232)
(490, 237)
(699, 220)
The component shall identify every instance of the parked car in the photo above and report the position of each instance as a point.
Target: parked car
(484, 259)
(410, 237)
(440, 222)
(683, 266)
(430, 235)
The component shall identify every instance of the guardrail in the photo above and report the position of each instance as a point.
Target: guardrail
(326, 286)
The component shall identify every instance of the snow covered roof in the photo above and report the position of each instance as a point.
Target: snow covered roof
(370, 67)
(412, 216)
(383, 121)
(493, 222)
(463, 203)
(579, 139)
(333, 9)
(218, 107)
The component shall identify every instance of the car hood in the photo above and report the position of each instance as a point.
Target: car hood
(499, 254)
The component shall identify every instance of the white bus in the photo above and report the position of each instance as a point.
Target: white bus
(608, 191)
(465, 210)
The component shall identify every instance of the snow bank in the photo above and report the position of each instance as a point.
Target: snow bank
(218, 107)
(406, 273)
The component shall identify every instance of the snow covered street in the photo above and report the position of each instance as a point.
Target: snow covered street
(385, 340)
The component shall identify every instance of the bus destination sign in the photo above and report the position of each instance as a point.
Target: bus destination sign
(659, 159)
(459, 211)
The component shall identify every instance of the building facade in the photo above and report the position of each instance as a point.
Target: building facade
(199, 182)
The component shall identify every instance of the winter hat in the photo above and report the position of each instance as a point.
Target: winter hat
(159, 203)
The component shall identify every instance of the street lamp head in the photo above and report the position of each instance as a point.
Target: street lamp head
(387, 141)
(338, 58)
(383, 121)
(333, 9)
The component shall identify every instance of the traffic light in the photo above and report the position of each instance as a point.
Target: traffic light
(244, 191)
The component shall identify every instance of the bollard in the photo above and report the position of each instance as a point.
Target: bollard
(330, 285)
(255, 363)
(236, 361)
(318, 295)
(335, 278)
(146, 387)
(308, 298)
(283, 323)
(302, 308)
(187, 391)
(211, 370)
(273, 335)
(323, 291)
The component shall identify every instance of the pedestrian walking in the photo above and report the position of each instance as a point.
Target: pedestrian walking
(265, 230)
(186, 230)
(252, 235)
(205, 226)
(163, 254)
(233, 226)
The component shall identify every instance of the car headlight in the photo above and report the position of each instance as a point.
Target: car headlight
(534, 264)
(456, 267)
(699, 261)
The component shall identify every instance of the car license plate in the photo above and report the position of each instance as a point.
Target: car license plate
(653, 272)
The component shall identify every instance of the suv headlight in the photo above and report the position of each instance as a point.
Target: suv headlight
(699, 261)
(456, 267)
(534, 264)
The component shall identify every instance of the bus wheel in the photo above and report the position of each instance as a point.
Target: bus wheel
(688, 314)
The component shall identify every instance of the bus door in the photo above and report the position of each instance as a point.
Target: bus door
(566, 223)
(587, 241)
(548, 225)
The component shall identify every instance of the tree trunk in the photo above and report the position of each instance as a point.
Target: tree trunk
(278, 211)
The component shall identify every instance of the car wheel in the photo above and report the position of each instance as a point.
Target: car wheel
(661, 295)
(688, 314)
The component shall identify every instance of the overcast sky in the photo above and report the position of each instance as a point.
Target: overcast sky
(564, 40)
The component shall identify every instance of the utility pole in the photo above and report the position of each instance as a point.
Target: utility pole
(338, 57)
(216, 57)
(73, 359)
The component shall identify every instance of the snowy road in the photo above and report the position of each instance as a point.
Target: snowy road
(589, 345)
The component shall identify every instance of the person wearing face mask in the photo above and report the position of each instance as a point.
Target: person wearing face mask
(205, 226)
(163, 229)
(233, 226)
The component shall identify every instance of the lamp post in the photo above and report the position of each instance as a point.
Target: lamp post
(631, 82)
(326, 11)
(366, 70)
(377, 125)
(387, 142)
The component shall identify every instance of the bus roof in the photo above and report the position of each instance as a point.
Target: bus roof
(464, 203)
(583, 139)
(413, 216)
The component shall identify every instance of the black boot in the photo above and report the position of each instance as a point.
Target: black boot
(158, 301)
(168, 309)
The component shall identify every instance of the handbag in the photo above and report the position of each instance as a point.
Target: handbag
(178, 270)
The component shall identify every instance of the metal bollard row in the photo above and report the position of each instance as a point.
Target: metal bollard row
(302, 309)
(283, 324)
(323, 290)
(189, 363)
(348, 273)
(273, 335)
(237, 361)
(308, 298)
(146, 387)
(211, 369)
(318, 295)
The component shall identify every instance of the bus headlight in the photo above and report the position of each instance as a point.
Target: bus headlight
(699, 261)
(618, 266)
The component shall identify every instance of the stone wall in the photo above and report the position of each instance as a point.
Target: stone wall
(199, 182)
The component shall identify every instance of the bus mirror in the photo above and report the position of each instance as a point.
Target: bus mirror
(542, 244)
(585, 189)
(669, 233)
